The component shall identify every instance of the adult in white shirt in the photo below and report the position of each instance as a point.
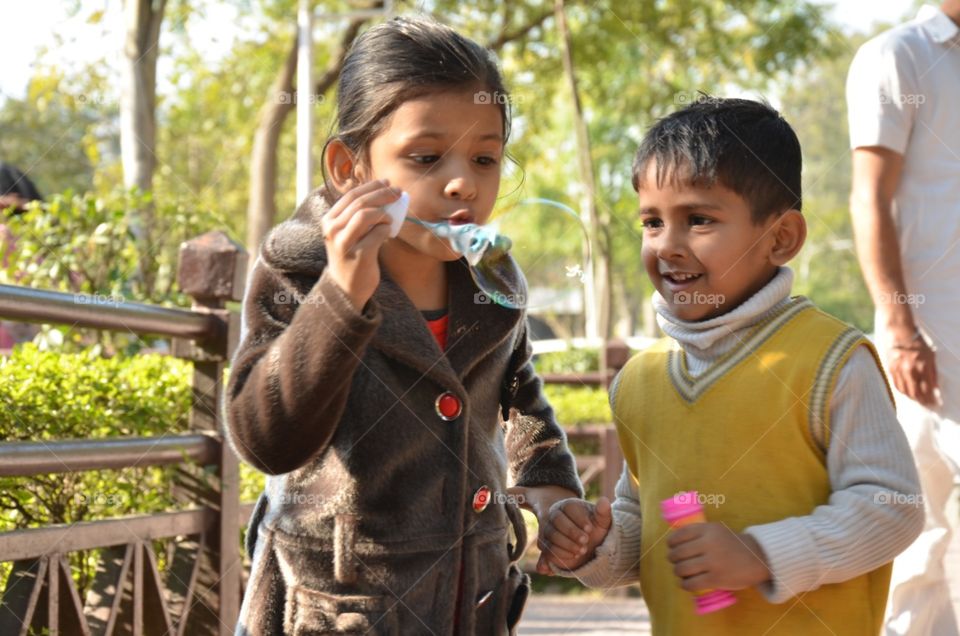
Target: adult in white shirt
(903, 95)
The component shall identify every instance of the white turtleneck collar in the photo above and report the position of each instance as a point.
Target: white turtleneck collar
(707, 340)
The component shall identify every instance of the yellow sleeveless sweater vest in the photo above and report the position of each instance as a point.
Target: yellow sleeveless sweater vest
(744, 435)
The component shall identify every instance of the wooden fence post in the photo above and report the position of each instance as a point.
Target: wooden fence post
(617, 354)
(212, 271)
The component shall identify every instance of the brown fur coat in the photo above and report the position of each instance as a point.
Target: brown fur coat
(367, 524)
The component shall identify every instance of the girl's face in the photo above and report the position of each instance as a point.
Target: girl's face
(445, 150)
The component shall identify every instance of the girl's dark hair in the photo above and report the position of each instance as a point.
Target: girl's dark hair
(745, 145)
(405, 58)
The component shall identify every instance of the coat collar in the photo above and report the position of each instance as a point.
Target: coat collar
(475, 327)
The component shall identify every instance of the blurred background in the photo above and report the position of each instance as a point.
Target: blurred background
(214, 123)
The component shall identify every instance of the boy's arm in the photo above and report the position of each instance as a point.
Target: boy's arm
(536, 445)
(291, 375)
(617, 559)
(875, 509)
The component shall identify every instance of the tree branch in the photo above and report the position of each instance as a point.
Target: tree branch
(505, 38)
(262, 207)
(332, 71)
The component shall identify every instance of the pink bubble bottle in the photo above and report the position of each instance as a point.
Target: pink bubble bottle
(682, 510)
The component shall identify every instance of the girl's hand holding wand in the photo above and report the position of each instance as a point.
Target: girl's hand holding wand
(354, 230)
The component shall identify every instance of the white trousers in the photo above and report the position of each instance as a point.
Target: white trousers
(919, 603)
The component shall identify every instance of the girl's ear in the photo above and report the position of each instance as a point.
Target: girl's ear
(341, 166)
(789, 235)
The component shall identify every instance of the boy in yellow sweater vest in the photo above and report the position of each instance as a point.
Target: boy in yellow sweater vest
(776, 413)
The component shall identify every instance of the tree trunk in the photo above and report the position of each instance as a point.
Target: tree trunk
(597, 303)
(138, 97)
(623, 322)
(138, 124)
(262, 206)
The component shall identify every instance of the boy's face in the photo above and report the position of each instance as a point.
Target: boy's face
(701, 248)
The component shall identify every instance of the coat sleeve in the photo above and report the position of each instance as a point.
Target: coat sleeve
(291, 375)
(536, 445)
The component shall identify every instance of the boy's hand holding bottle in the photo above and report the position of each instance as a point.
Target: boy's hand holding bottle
(573, 531)
(712, 556)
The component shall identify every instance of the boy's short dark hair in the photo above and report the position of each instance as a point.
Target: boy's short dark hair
(745, 145)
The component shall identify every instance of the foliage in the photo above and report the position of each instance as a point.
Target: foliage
(682, 47)
(208, 105)
(827, 268)
(60, 132)
(576, 405)
(45, 395)
(82, 244)
(49, 396)
(574, 360)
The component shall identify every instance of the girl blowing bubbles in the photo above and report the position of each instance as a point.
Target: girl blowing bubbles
(387, 406)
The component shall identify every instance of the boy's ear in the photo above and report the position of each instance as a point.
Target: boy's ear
(343, 167)
(789, 235)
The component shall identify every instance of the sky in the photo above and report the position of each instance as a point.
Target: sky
(39, 20)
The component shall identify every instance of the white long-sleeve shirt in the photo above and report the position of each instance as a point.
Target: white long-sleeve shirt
(875, 509)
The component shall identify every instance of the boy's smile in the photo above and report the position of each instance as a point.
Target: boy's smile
(701, 248)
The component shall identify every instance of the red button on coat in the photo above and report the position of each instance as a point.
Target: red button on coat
(481, 499)
(448, 406)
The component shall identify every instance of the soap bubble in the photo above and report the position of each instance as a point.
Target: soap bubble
(543, 238)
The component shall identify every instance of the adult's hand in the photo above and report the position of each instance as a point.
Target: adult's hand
(913, 369)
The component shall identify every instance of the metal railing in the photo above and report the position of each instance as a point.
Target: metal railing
(199, 591)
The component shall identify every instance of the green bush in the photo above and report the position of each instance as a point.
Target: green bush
(569, 361)
(84, 244)
(46, 395)
(575, 405)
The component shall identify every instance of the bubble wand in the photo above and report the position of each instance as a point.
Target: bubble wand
(484, 247)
